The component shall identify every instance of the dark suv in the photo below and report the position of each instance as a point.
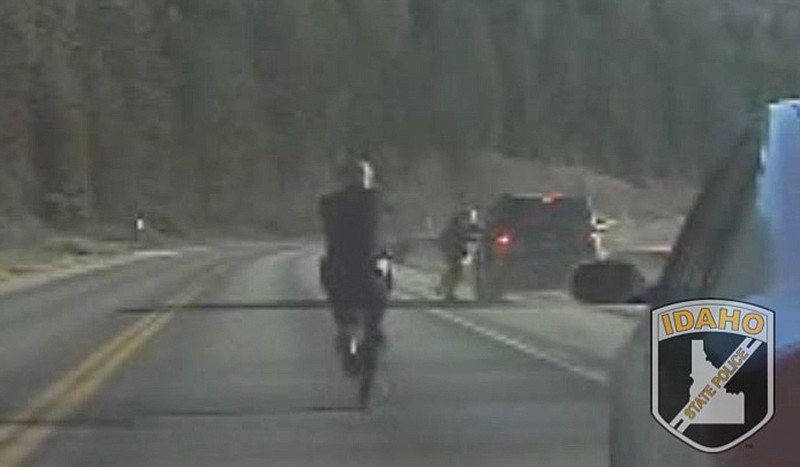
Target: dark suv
(534, 241)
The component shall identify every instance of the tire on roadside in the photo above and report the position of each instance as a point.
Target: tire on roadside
(606, 281)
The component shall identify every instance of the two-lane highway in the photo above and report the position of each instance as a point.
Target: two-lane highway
(242, 372)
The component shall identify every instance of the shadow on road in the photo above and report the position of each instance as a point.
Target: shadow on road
(313, 304)
(130, 420)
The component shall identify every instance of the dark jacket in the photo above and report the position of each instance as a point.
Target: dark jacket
(351, 224)
(352, 245)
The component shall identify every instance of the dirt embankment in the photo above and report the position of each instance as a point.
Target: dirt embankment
(28, 247)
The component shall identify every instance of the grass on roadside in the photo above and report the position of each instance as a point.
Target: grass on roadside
(56, 253)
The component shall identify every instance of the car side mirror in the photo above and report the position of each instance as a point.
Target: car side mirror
(608, 281)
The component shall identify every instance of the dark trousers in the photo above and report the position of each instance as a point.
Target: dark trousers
(353, 292)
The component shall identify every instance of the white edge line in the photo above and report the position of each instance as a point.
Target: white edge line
(587, 373)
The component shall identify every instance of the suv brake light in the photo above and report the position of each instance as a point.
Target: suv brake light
(503, 239)
(551, 198)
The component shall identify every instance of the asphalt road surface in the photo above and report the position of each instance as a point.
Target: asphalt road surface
(225, 357)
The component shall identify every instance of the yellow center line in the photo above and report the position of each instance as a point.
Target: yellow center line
(30, 426)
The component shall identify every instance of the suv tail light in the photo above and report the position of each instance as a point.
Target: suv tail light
(503, 239)
(551, 198)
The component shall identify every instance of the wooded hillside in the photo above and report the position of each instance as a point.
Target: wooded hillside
(231, 111)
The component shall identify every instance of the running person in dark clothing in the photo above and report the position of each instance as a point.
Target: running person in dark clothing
(350, 218)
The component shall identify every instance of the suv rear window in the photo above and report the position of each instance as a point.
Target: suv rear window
(536, 213)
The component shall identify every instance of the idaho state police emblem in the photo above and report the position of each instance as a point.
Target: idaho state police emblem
(712, 371)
